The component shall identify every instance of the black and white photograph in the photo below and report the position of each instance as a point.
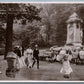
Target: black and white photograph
(42, 41)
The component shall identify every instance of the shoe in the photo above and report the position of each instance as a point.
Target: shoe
(66, 76)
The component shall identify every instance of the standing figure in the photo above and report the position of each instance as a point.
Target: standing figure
(36, 56)
(75, 55)
(61, 54)
(17, 51)
(66, 68)
(53, 56)
(29, 56)
(81, 55)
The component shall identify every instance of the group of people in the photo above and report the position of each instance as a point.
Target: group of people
(15, 60)
(32, 56)
(29, 58)
(76, 54)
(65, 55)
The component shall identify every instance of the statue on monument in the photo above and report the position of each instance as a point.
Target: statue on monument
(81, 35)
(71, 34)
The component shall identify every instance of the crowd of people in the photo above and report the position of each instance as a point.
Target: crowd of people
(76, 54)
(65, 56)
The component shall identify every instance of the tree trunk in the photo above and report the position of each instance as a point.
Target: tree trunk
(9, 34)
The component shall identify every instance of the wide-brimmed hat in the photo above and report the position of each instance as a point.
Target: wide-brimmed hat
(17, 47)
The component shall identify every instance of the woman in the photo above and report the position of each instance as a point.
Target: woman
(61, 54)
(66, 69)
(29, 56)
(75, 55)
(18, 53)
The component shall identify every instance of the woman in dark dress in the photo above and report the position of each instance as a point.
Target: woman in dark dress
(17, 51)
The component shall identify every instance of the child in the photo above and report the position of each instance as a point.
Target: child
(66, 69)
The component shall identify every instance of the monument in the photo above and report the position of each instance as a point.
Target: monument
(74, 30)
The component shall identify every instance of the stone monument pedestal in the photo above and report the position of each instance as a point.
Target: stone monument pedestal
(74, 30)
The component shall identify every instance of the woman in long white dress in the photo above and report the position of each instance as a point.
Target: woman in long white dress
(29, 56)
(66, 69)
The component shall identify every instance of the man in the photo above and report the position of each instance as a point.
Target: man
(36, 56)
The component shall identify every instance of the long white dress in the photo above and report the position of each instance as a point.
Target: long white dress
(66, 68)
(22, 62)
(29, 55)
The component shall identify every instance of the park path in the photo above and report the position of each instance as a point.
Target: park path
(48, 71)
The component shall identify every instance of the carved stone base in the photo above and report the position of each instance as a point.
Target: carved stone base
(77, 44)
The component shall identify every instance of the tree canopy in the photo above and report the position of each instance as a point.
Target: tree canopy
(9, 12)
(52, 16)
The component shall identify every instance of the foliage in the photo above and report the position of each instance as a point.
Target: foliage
(28, 35)
(55, 17)
(23, 12)
(2, 33)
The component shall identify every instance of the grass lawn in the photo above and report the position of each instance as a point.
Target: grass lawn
(47, 72)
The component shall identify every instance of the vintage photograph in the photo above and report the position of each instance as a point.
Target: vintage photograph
(42, 41)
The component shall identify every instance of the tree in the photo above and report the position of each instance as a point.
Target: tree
(20, 11)
(2, 34)
(47, 20)
(55, 18)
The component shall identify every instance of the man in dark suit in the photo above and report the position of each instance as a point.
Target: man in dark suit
(36, 55)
